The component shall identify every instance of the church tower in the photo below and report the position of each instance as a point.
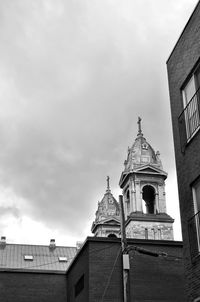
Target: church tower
(143, 185)
(107, 221)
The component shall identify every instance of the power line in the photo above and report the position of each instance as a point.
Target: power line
(43, 264)
(152, 253)
(109, 278)
(104, 248)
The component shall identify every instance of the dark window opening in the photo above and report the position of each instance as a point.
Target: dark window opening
(148, 195)
(112, 236)
(79, 286)
(146, 233)
(128, 201)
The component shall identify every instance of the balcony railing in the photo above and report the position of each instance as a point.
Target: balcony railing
(194, 235)
(189, 119)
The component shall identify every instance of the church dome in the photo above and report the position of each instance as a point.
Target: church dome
(108, 206)
(107, 221)
(141, 153)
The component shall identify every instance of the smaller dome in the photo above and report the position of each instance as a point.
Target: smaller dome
(108, 206)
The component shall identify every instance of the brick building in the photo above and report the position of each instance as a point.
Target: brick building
(34, 272)
(184, 82)
(96, 272)
(52, 273)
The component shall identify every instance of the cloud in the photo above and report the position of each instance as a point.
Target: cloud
(74, 77)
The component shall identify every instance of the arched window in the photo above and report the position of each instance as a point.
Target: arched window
(112, 236)
(128, 201)
(146, 233)
(148, 195)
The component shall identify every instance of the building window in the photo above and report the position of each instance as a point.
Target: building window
(146, 233)
(79, 286)
(159, 234)
(128, 202)
(189, 119)
(62, 259)
(148, 195)
(194, 222)
(112, 235)
(28, 257)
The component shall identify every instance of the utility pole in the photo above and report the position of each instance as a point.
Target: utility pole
(125, 255)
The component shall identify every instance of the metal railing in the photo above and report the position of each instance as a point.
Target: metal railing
(189, 119)
(194, 235)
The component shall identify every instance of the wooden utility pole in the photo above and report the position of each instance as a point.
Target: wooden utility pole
(125, 256)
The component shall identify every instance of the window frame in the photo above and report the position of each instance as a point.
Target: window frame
(189, 119)
(194, 222)
(190, 106)
(196, 211)
(79, 286)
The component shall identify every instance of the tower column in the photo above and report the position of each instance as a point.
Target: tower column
(125, 205)
(161, 197)
(131, 196)
(156, 203)
(134, 201)
(138, 197)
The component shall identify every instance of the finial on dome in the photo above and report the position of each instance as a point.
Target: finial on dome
(108, 184)
(139, 127)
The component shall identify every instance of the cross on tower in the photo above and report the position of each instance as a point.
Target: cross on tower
(108, 183)
(139, 126)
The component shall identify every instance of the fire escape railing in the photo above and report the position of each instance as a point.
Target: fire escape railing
(189, 119)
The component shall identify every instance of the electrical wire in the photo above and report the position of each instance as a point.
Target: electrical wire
(109, 278)
(104, 248)
(43, 264)
(152, 253)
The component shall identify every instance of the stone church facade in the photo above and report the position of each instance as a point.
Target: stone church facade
(143, 188)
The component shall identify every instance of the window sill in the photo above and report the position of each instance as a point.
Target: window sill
(189, 140)
(193, 134)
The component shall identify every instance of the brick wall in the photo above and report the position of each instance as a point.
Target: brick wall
(78, 268)
(152, 279)
(180, 64)
(32, 287)
(105, 271)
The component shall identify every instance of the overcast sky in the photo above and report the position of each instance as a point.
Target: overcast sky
(74, 77)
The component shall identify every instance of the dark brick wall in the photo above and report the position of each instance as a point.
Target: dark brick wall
(105, 271)
(79, 268)
(151, 279)
(180, 64)
(157, 278)
(32, 287)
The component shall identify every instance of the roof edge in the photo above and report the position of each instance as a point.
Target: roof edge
(37, 271)
(133, 241)
(183, 31)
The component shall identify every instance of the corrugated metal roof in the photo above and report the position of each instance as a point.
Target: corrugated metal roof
(44, 258)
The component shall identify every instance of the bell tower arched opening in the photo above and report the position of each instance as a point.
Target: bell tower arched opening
(148, 195)
(112, 236)
(128, 201)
